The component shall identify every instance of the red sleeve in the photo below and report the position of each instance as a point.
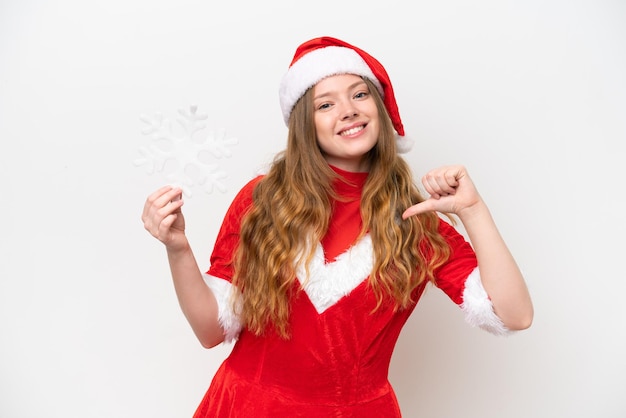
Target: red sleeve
(228, 236)
(452, 276)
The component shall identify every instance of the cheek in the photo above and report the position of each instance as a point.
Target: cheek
(323, 125)
(322, 142)
(320, 119)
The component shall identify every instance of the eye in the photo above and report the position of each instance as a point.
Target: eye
(361, 95)
(323, 106)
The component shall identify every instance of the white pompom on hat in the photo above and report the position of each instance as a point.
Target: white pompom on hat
(322, 57)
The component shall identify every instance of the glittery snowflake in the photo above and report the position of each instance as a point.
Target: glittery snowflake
(184, 158)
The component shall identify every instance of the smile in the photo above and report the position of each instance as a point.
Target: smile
(352, 131)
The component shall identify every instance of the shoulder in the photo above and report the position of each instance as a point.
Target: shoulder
(241, 203)
(451, 234)
(446, 228)
(244, 198)
(248, 188)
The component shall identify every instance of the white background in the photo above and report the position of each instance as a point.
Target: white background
(529, 95)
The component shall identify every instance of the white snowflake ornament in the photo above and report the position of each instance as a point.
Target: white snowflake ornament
(183, 159)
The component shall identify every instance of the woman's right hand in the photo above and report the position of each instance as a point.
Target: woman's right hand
(163, 218)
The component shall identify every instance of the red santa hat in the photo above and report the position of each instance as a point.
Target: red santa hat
(322, 57)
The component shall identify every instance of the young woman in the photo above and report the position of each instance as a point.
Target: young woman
(320, 262)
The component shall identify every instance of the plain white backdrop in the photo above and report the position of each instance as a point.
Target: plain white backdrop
(529, 95)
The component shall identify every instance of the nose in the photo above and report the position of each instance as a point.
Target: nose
(348, 111)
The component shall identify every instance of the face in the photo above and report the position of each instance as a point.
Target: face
(346, 121)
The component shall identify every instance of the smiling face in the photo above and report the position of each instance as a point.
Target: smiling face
(346, 121)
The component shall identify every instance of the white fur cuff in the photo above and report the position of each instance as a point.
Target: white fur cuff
(229, 320)
(478, 308)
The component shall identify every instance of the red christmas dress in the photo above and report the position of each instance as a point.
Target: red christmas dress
(337, 360)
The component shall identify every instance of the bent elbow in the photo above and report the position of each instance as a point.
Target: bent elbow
(210, 343)
(521, 323)
(212, 339)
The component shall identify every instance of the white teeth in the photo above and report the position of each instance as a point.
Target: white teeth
(352, 131)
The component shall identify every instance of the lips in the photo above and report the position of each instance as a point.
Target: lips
(352, 130)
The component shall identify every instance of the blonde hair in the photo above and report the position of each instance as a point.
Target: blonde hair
(292, 207)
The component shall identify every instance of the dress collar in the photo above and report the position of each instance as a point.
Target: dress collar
(349, 184)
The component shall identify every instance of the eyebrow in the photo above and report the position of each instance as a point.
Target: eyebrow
(351, 86)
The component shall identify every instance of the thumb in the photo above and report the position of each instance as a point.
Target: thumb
(422, 207)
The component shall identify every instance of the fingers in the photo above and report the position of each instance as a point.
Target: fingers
(443, 181)
(162, 197)
(161, 210)
(446, 190)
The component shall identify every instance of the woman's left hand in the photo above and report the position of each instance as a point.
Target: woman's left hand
(451, 190)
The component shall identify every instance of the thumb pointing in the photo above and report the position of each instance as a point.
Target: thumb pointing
(422, 207)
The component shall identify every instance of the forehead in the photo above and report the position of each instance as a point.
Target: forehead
(337, 82)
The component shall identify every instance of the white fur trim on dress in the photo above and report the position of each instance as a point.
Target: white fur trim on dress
(229, 320)
(315, 66)
(327, 283)
(478, 308)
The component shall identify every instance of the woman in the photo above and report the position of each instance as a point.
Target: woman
(320, 262)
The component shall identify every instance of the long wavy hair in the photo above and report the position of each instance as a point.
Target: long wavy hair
(292, 207)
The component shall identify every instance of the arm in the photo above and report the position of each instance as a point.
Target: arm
(451, 190)
(163, 218)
